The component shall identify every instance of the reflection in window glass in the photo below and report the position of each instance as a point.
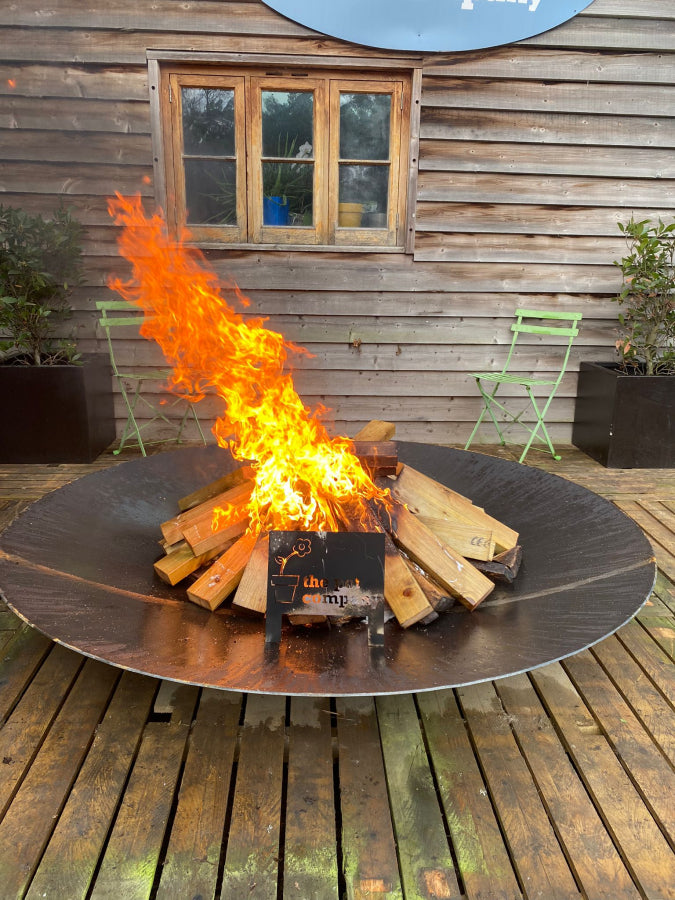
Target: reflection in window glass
(287, 193)
(366, 188)
(208, 121)
(364, 126)
(288, 133)
(210, 192)
(287, 123)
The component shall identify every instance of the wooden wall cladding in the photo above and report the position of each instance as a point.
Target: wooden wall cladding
(529, 155)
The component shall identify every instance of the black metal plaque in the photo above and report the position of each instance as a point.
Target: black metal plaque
(327, 574)
(78, 565)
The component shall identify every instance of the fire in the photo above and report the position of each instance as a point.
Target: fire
(304, 479)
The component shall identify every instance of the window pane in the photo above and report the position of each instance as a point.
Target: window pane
(364, 126)
(208, 121)
(288, 124)
(365, 188)
(210, 192)
(287, 193)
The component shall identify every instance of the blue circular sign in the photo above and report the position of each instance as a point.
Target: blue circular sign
(430, 25)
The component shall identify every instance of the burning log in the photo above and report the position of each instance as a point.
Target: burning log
(376, 430)
(430, 531)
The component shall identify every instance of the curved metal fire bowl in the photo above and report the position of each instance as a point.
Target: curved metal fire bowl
(78, 566)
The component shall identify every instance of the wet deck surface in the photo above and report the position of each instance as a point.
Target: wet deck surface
(556, 784)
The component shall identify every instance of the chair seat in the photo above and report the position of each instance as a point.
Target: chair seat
(511, 379)
(146, 374)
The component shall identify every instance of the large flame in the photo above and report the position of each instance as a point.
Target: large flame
(304, 479)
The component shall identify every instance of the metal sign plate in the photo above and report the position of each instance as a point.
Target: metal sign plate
(430, 25)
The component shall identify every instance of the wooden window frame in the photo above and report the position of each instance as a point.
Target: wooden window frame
(328, 78)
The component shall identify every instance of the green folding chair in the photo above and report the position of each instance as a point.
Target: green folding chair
(554, 324)
(132, 380)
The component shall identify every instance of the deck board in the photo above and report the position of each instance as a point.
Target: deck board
(555, 784)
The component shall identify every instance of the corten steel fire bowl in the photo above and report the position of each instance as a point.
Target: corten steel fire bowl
(78, 565)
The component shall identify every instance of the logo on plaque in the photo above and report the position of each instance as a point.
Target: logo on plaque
(322, 573)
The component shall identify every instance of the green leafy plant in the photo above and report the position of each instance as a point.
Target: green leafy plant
(40, 262)
(647, 342)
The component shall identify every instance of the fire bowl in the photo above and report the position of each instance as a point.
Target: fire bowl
(78, 565)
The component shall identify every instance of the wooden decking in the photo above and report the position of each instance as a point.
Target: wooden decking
(559, 784)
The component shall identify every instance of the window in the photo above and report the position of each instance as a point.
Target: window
(299, 157)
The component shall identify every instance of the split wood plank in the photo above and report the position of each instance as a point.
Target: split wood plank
(650, 771)
(369, 855)
(483, 860)
(427, 497)
(534, 847)
(133, 850)
(219, 580)
(424, 855)
(220, 486)
(71, 857)
(466, 540)
(198, 520)
(190, 867)
(310, 841)
(379, 458)
(440, 600)
(593, 857)
(376, 430)
(24, 730)
(651, 708)
(643, 847)
(181, 562)
(401, 590)
(252, 590)
(21, 657)
(252, 858)
(32, 815)
(453, 572)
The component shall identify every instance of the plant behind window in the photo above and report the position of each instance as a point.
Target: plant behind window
(40, 262)
(647, 343)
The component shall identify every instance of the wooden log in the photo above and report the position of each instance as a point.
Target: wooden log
(181, 561)
(173, 530)
(401, 591)
(252, 591)
(453, 572)
(467, 540)
(208, 491)
(503, 567)
(217, 583)
(426, 497)
(376, 430)
(379, 458)
(439, 599)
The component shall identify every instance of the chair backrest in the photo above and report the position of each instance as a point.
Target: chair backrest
(116, 313)
(546, 322)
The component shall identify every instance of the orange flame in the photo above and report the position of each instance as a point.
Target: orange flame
(304, 480)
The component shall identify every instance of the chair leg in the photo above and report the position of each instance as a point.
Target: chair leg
(539, 425)
(487, 408)
(131, 423)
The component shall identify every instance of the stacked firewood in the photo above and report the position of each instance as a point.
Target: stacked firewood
(439, 546)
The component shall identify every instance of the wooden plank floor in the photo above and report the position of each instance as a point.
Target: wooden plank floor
(559, 784)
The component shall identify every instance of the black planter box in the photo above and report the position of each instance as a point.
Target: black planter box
(625, 421)
(56, 414)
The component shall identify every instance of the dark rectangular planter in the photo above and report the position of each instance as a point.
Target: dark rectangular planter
(625, 421)
(56, 414)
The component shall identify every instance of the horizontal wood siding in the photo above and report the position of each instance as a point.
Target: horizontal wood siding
(529, 155)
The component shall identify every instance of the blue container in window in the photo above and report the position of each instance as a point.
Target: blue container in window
(275, 210)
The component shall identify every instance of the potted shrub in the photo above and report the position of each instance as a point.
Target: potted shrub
(55, 406)
(625, 411)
